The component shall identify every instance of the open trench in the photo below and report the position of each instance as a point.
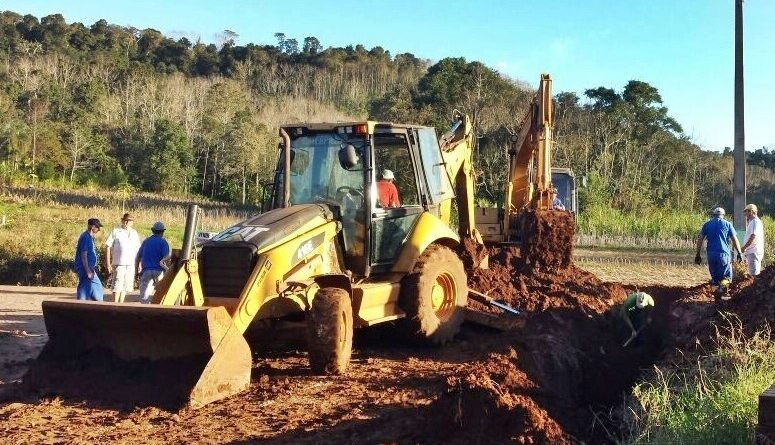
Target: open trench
(554, 381)
(549, 382)
(566, 377)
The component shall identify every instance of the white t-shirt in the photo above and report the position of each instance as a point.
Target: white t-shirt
(124, 244)
(755, 227)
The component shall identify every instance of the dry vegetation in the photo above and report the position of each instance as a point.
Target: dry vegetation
(645, 273)
(38, 238)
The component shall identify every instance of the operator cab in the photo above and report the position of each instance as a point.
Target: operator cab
(339, 165)
(565, 182)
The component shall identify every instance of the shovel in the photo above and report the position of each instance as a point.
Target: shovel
(632, 337)
(501, 322)
(485, 299)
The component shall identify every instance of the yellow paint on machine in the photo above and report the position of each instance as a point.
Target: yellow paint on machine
(427, 230)
(277, 260)
(377, 302)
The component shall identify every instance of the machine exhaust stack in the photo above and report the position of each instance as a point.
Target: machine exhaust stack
(188, 235)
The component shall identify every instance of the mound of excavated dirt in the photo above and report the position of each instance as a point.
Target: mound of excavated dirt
(493, 403)
(547, 239)
(753, 299)
(532, 290)
(695, 310)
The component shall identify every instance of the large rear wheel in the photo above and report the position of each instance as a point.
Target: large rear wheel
(330, 331)
(433, 295)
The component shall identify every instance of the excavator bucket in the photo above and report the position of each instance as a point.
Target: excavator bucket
(167, 356)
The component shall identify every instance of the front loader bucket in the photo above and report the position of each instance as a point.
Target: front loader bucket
(167, 356)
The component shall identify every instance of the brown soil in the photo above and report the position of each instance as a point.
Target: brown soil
(547, 239)
(98, 375)
(588, 369)
(494, 402)
(539, 290)
(523, 393)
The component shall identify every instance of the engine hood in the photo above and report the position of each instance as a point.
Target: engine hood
(271, 227)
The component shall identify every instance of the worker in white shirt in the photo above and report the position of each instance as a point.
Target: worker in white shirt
(122, 245)
(753, 244)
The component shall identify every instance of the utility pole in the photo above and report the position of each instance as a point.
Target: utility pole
(738, 189)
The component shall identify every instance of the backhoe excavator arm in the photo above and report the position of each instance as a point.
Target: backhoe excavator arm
(529, 180)
(457, 149)
(530, 155)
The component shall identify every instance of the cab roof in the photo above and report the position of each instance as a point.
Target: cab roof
(333, 126)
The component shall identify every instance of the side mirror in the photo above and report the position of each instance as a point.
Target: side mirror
(584, 181)
(348, 157)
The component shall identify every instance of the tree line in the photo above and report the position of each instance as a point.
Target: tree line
(118, 106)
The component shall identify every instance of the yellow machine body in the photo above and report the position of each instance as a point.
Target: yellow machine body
(199, 313)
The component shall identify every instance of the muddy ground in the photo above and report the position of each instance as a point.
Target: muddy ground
(486, 387)
(541, 384)
(386, 397)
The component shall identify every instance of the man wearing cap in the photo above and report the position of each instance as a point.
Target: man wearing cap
(718, 232)
(89, 284)
(557, 202)
(387, 191)
(149, 259)
(122, 245)
(753, 244)
(637, 312)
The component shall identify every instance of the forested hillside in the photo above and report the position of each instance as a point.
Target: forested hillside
(121, 107)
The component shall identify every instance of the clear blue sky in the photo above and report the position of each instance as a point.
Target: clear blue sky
(682, 47)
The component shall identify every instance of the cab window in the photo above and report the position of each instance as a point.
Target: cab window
(393, 164)
(439, 185)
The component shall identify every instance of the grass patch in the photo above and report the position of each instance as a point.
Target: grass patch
(658, 224)
(658, 229)
(644, 273)
(37, 241)
(713, 399)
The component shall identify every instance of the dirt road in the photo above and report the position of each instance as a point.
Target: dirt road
(22, 332)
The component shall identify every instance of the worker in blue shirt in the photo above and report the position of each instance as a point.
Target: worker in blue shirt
(89, 284)
(718, 232)
(150, 261)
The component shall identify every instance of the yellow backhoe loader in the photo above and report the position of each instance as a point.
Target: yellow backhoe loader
(328, 249)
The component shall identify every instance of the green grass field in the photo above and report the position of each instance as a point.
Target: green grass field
(658, 230)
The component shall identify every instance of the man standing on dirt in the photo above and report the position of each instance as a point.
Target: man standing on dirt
(753, 244)
(718, 231)
(89, 284)
(152, 252)
(637, 313)
(122, 246)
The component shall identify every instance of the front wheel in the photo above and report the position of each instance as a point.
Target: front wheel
(330, 331)
(433, 295)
